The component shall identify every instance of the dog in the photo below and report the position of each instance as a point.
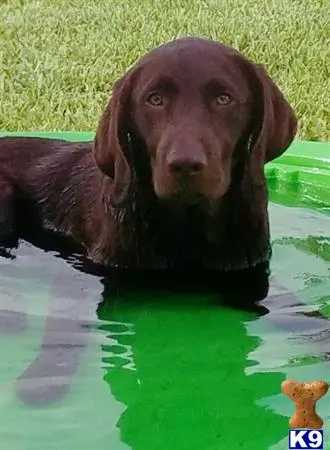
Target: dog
(174, 179)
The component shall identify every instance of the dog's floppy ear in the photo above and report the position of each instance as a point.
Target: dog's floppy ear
(277, 122)
(111, 144)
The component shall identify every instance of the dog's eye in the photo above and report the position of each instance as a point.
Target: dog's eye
(155, 99)
(223, 99)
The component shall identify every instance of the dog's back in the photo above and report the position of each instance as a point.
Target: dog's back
(54, 180)
(19, 154)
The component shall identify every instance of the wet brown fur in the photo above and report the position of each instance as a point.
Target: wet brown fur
(117, 197)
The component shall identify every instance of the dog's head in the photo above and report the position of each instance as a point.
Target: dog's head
(188, 113)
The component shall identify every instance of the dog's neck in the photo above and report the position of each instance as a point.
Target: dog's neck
(230, 234)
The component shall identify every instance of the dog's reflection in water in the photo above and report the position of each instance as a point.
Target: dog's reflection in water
(82, 293)
(77, 290)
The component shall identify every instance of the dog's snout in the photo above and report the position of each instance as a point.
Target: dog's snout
(186, 165)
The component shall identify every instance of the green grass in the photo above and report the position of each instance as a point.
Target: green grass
(59, 58)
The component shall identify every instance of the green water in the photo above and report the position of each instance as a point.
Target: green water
(81, 368)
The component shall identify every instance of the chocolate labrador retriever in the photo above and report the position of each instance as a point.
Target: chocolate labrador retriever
(174, 179)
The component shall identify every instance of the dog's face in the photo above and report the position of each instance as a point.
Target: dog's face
(199, 108)
(191, 109)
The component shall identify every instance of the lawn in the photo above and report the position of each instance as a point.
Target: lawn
(59, 58)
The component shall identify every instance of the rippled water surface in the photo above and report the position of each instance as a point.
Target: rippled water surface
(155, 371)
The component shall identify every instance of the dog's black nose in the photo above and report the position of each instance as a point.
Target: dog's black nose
(187, 165)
